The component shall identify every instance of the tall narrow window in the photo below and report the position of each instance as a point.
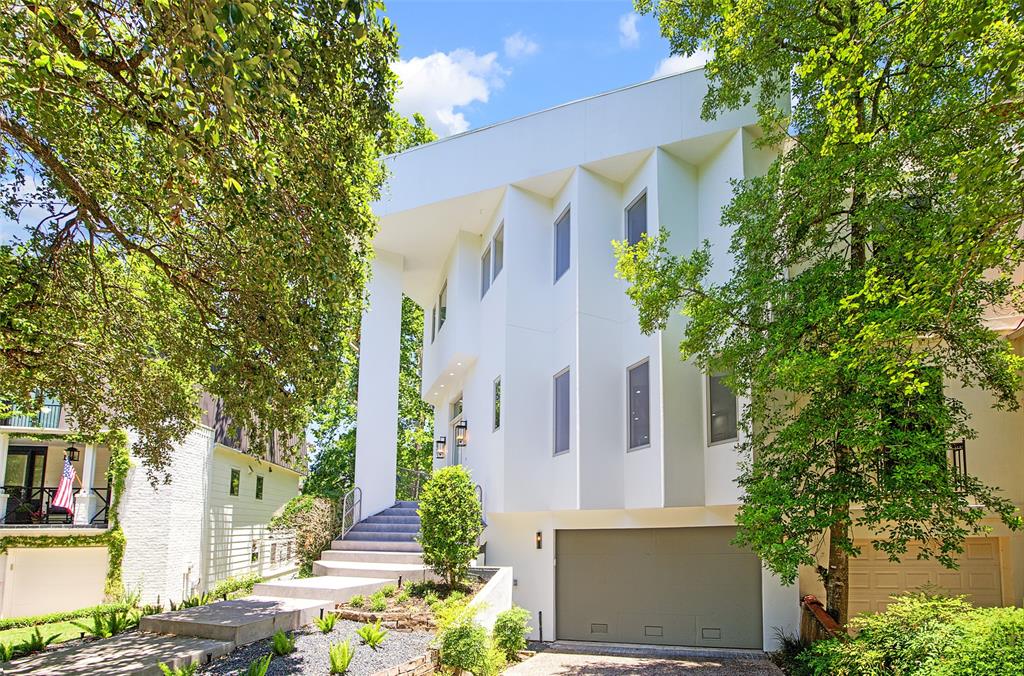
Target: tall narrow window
(636, 219)
(236, 480)
(442, 305)
(497, 402)
(721, 410)
(499, 251)
(638, 381)
(259, 488)
(433, 323)
(562, 245)
(561, 412)
(485, 272)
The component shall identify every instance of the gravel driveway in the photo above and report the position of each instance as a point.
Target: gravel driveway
(311, 653)
(566, 664)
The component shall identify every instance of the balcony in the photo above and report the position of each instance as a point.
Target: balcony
(33, 508)
(48, 417)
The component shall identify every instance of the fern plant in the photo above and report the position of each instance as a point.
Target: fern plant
(326, 623)
(6, 652)
(378, 603)
(388, 590)
(35, 642)
(357, 601)
(105, 625)
(259, 666)
(183, 670)
(192, 602)
(372, 635)
(283, 644)
(341, 655)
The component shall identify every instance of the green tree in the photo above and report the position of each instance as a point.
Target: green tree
(192, 181)
(450, 523)
(866, 260)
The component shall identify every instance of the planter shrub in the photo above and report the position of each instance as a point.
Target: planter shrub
(510, 630)
(450, 523)
(314, 520)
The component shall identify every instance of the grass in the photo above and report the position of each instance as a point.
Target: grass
(66, 630)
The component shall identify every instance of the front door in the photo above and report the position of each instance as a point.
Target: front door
(23, 482)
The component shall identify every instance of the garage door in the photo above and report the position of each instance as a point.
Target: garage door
(672, 586)
(873, 578)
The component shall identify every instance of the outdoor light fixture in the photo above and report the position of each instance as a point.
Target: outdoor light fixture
(72, 454)
(442, 447)
(539, 539)
(461, 428)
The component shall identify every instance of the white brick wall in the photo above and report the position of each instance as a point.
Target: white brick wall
(164, 525)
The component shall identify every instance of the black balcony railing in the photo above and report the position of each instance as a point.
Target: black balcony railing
(34, 507)
(48, 417)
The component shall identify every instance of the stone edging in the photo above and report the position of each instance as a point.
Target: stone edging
(424, 665)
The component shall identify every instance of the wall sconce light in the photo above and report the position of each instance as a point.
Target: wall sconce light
(442, 448)
(539, 539)
(72, 454)
(461, 431)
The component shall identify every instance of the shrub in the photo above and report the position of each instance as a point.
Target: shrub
(402, 596)
(6, 652)
(64, 616)
(357, 601)
(388, 590)
(926, 635)
(259, 666)
(150, 609)
(341, 655)
(282, 643)
(419, 589)
(372, 635)
(788, 656)
(35, 642)
(510, 630)
(326, 623)
(314, 520)
(431, 598)
(184, 670)
(378, 603)
(462, 644)
(450, 523)
(105, 625)
(234, 585)
(193, 602)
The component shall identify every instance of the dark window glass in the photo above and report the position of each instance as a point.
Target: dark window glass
(497, 403)
(721, 409)
(236, 479)
(485, 272)
(442, 306)
(636, 219)
(562, 245)
(433, 323)
(259, 488)
(499, 251)
(639, 406)
(562, 412)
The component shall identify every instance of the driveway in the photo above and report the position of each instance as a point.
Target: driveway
(571, 664)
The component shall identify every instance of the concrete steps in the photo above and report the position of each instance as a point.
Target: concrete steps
(371, 556)
(371, 545)
(337, 588)
(239, 621)
(407, 572)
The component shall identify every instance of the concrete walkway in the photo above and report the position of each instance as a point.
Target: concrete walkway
(575, 664)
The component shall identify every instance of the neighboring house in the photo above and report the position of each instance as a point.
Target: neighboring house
(607, 465)
(208, 524)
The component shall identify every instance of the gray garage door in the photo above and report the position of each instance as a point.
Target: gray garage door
(672, 586)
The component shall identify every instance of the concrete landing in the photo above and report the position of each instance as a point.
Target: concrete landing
(329, 589)
(371, 556)
(239, 621)
(409, 572)
(129, 654)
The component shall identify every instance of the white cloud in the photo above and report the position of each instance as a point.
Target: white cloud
(437, 84)
(629, 36)
(518, 45)
(681, 62)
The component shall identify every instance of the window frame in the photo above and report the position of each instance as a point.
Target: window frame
(707, 416)
(641, 196)
(259, 487)
(498, 244)
(629, 369)
(433, 324)
(485, 271)
(235, 482)
(442, 306)
(566, 213)
(554, 412)
(496, 404)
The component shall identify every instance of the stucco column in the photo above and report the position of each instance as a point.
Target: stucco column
(87, 502)
(377, 413)
(4, 440)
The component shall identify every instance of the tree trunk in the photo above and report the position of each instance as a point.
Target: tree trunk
(837, 598)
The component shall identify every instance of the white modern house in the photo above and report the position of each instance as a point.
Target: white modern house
(607, 465)
(208, 524)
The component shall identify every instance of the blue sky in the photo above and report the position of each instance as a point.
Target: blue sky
(466, 64)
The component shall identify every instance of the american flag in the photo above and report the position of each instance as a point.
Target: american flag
(64, 497)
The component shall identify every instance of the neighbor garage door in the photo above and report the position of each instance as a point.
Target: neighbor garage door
(672, 586)
(873, 578)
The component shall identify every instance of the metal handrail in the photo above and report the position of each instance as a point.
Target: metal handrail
(33, 505)
(409, 482)
(351, 509)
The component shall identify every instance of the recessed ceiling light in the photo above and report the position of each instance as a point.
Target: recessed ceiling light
(442, 386)
(458, 363)
(451, 374)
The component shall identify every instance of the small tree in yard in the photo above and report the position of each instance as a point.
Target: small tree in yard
(451, 521)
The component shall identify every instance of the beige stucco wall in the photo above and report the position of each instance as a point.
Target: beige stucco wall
(38, 581)
(234, 522)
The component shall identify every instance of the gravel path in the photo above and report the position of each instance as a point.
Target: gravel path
(311, 653)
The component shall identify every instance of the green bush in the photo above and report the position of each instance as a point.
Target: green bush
(372, 634)
(463, 644)
(184, 670)
(326, 623)
(378, 603)
(282, 644)
(450, 523)
(233, 585)
(402, 596)
(357, 601)
(315, 521)
(259, 666)
(105, 625)
(193, 602)
(65, 616)
(34, 643)
(341, 655)
(389, 590)
(926, 635)
(6, 652)
(510, 630)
